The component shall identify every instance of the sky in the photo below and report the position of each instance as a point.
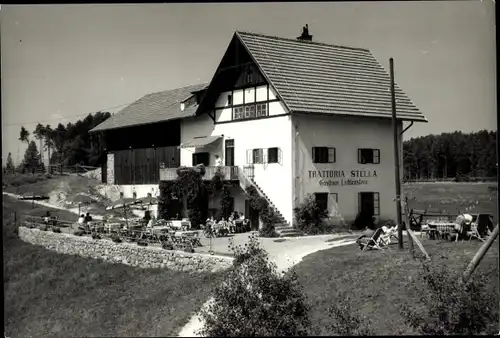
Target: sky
(61, 62)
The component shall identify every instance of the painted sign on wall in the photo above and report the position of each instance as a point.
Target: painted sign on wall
(341, 177)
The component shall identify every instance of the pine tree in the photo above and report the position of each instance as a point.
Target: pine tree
(9, 166)
(31, 159)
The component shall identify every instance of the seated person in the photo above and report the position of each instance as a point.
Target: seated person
(88, 218)
(46, 219)
(231, 225)
(82, 225)
(150, 223)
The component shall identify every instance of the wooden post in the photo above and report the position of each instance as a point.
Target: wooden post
(407, 223)
(479, 255)
(15, 218)
(396, 156)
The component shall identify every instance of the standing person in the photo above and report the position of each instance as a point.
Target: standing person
(218, 161)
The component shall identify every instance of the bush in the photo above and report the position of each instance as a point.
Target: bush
(448, 307)
(345, 321)
(266, 213)
(311, 219)
(116, 238)
(255, 300)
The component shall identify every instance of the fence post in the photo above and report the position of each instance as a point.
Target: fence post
(479, 255)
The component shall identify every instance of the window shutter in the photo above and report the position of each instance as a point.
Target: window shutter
(313, 153)
(331, 155)
(264, 155)
(280, 156)
(250, 156)
(376, 203)
(376, 156)
(359, 156)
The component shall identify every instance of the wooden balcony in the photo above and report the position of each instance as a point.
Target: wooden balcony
(230, 173)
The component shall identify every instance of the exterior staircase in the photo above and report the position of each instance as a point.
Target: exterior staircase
(283, 228)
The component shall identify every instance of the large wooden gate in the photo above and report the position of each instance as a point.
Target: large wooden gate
(142, 166)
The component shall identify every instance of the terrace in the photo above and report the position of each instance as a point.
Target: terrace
(229, 173)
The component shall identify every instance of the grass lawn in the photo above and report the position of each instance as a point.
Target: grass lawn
(452, 196)
(50, 294)
(375, 281)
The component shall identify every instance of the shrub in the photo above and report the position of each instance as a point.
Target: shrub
(116, 238)
(448, 307)
(56, 229)
(255, 300)
(345, 321)
(266, 213)
(167, 245)
(310, 218)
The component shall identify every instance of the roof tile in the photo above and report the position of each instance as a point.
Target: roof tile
(321, 78)
(153, 108)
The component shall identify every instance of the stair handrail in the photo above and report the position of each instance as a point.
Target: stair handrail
(243, 178)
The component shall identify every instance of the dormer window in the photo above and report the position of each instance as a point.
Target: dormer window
(183, 106)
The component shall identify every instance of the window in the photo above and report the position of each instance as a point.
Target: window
(230, 100)
(238, 113)
(366, 155)
(272, 155)
(321, 200)
(323, 155)
(257, 156)
(261, 109)
(201, 158)
(250, 111)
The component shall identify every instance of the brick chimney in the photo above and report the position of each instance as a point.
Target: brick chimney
(305, 34)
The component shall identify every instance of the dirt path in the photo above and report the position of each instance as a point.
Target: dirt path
(50, 205)
(285, 254)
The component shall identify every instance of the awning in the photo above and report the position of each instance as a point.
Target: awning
(200, 141)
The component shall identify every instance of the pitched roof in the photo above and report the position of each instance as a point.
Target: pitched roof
(314, 77)
(153, 108)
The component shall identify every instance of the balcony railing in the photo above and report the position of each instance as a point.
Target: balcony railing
(229, 173)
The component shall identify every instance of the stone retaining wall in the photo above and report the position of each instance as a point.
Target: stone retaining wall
(125, 253)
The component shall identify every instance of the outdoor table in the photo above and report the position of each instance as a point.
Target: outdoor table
(441, 227)
(113, 226)
(238, 224)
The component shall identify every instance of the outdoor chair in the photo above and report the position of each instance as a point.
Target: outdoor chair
(373, 242)
(479, 227)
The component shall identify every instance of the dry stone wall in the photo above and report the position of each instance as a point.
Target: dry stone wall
(125, 253)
